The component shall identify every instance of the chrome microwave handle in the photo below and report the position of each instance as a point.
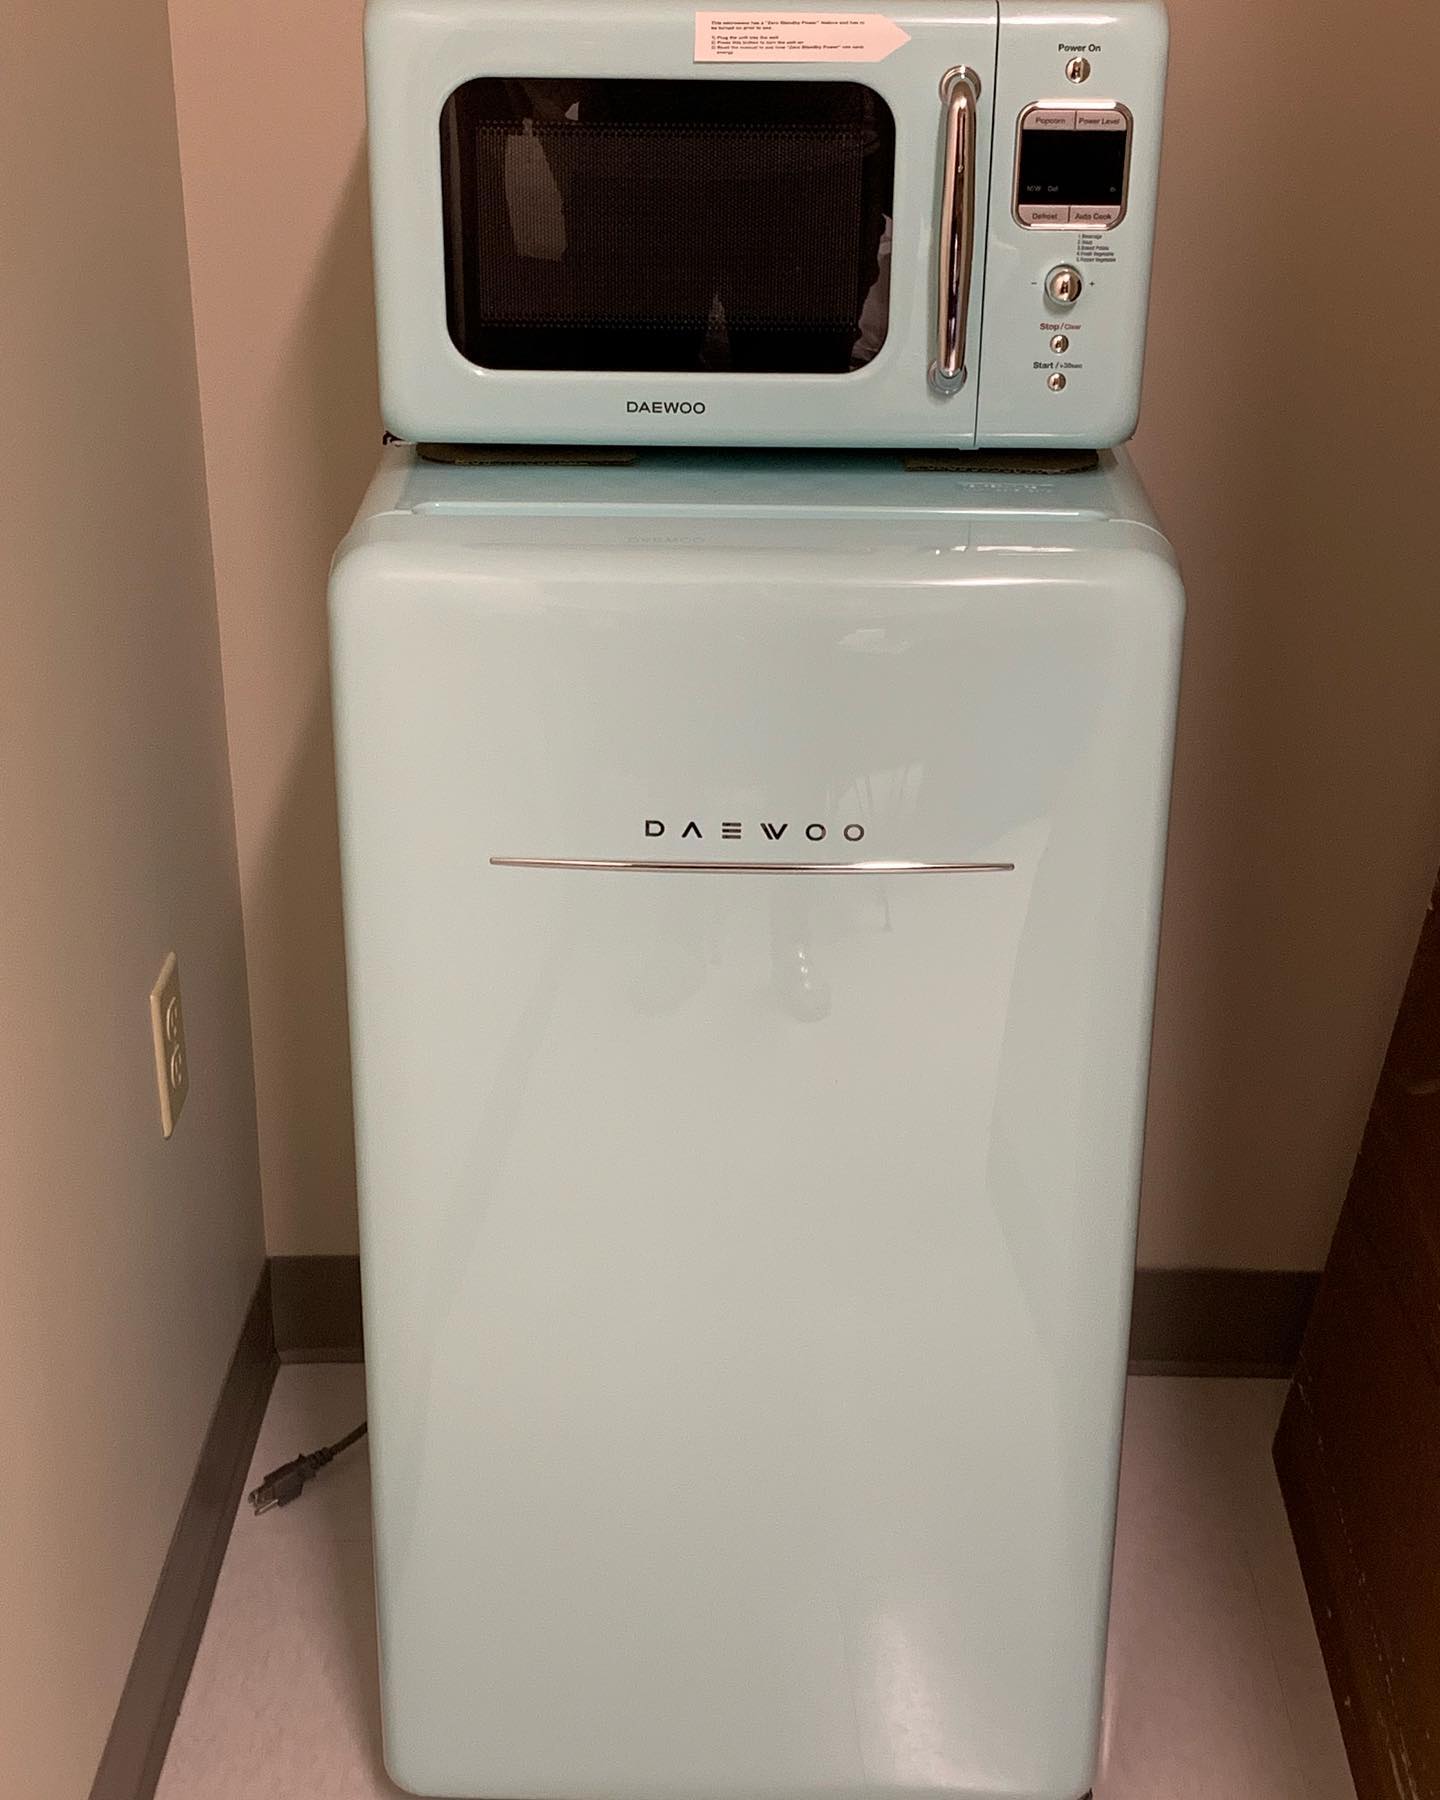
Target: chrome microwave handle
(961, 92)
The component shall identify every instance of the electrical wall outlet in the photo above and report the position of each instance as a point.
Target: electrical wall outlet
(172, 1064)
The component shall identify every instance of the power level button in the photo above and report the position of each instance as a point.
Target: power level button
(1063, 285)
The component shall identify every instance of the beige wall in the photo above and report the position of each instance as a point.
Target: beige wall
(125, 1262)
(1291, 442)
(1287, 376)
(271, 119)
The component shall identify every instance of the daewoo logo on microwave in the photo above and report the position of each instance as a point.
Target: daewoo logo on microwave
(925, 229)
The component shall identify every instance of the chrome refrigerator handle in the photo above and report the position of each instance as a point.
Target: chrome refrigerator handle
(961, 91)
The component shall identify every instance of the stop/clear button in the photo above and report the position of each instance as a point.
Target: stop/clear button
(1063, 285)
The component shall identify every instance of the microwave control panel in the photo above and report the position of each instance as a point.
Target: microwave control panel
(1076, 102)
(1072, 166)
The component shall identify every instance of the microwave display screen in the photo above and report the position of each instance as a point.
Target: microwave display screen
(1072, 167)
(694, 226)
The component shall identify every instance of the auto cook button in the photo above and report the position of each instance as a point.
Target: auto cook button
(1095, 216)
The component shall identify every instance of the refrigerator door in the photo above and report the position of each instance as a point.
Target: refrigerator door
(747, 1251)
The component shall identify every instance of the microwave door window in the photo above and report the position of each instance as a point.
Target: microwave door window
(701, 227)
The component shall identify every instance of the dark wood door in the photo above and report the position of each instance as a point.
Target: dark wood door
(1358, 1449)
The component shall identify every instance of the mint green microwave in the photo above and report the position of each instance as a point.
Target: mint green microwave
(611, 221)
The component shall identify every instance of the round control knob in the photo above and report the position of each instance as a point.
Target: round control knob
(1063, 285)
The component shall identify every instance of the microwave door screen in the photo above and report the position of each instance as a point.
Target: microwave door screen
(693, 226)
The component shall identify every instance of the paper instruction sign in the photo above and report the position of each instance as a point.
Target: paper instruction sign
(796, 37)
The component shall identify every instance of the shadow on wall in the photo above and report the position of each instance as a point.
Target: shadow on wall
(330, 377)
(1285, 443)
(326, 436)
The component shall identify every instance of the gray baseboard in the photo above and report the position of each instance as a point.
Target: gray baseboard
(1186, 1321)
(150, 1701)
(316, 1302)
(1219, 1321)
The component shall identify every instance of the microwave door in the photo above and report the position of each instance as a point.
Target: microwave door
(686, 227)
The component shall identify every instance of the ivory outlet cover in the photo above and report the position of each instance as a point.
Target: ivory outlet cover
(172, 1062)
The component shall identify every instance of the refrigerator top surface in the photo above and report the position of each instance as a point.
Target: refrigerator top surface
(776, 486)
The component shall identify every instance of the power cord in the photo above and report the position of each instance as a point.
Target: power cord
(287, 1483)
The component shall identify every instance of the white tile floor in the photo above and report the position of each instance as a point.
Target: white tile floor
(1216, 1687)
